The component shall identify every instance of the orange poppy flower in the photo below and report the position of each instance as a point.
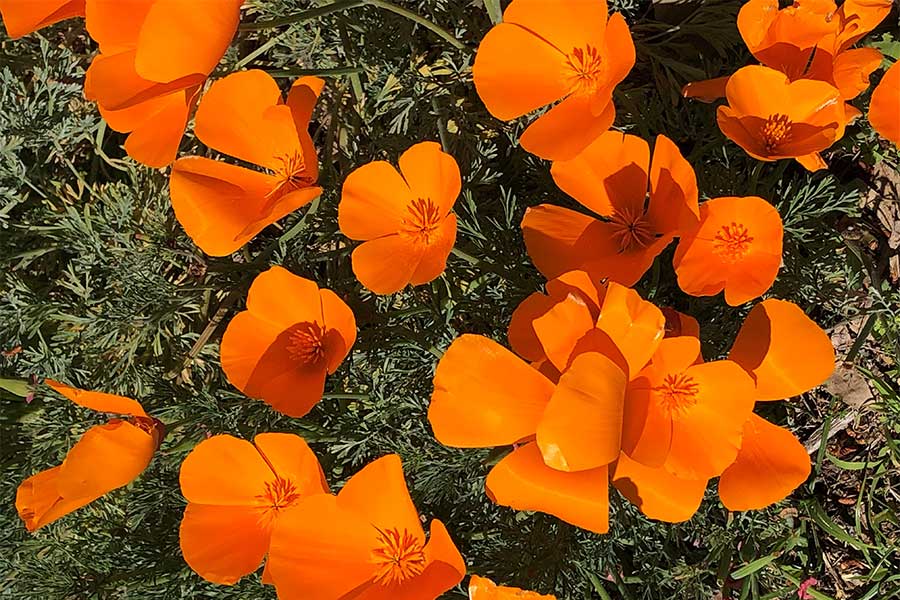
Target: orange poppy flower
(884, 109)
(154, 57)
(482, 588)
(365, 542)
(736, 247)
(236, 493)
(404, 219)
(224, 206)
(684, 416)
(772, 462)
(22, 17)
(611, 178)
(772, 118)
(535, 57)
(291, 335)
(106, 457)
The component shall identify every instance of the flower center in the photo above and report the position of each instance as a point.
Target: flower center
(631, 230)
(306, 344)
(776, 130)
(291, 175)
(678, 393)
(586, 70)
(279, 495)
(400, 557)
(423, 220)
(732, 242)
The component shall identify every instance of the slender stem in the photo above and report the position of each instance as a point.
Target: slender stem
(306, 15)
(341, 5)
(466, 257)
(319, 72)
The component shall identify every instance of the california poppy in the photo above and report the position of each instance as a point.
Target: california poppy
(772, 118)
(365, 542)
(404, 218)
(884, 109)
(611, 178)
(236, 493)
(482, 588)
(223, 206)
(291, 335)
(106, 457)
(575, 53)
(736, 247)
(155, 55)
(684, 416)
(772, 462)
(22, 17)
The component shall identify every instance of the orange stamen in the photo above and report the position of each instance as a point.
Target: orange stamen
(587, 70)
(306, 343)
(423, 221)
(631, 230)
(291, 175)
(677, 393)
(400, 557)
(279, 495)
(777, 130)
(732, 242)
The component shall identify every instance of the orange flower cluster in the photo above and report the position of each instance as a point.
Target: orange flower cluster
(600, 393)
(269, 501)
(795, 103)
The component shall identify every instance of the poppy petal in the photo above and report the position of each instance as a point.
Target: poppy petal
(386, 265)
(340, 328)
(812, 162)
(112, 82)
(603, 258)
(571, 24)
(431, 174)
(484, 395)
(773, 335)
(375, 201)
(708, 90)
(852, 69)
(523, 482)
(116, 25)
(560, 328)
(636, 326)
(22, 17)
(482, 588)
(578, 283)
(582, 425)
(673, 189)
(181, 38)
(106, 457)
(315, 541)
(551, 234)
(155, 141)
(772, 463)
(566, 129)
(282, 299)
(302, 100)
(378, 493)
(38, 502)
(706, 435)
(289, 457)
(585, 177)
(241, 115)
(99, 401)
(883, 113)
(646, 427)
(435, 253)
(512, 88)
(223, 543)
(205, 480)
(656, 492)
(521, 335)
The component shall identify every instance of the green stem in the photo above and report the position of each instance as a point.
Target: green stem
(317, 72)
(342, 5)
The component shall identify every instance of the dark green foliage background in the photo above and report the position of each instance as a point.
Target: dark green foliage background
(101, 288)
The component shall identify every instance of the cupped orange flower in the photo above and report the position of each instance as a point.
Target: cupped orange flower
(772, 462)
(237, 492)
(884, 109)
(290, 337)
(736, 247)
(612, 178)
(482, 588)
(106, 457)
(365, 542)
(22, 17)
(686, 417)
(772, 118)
(575, 53)
(154, 57)
(223, 206)
(404, 218)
